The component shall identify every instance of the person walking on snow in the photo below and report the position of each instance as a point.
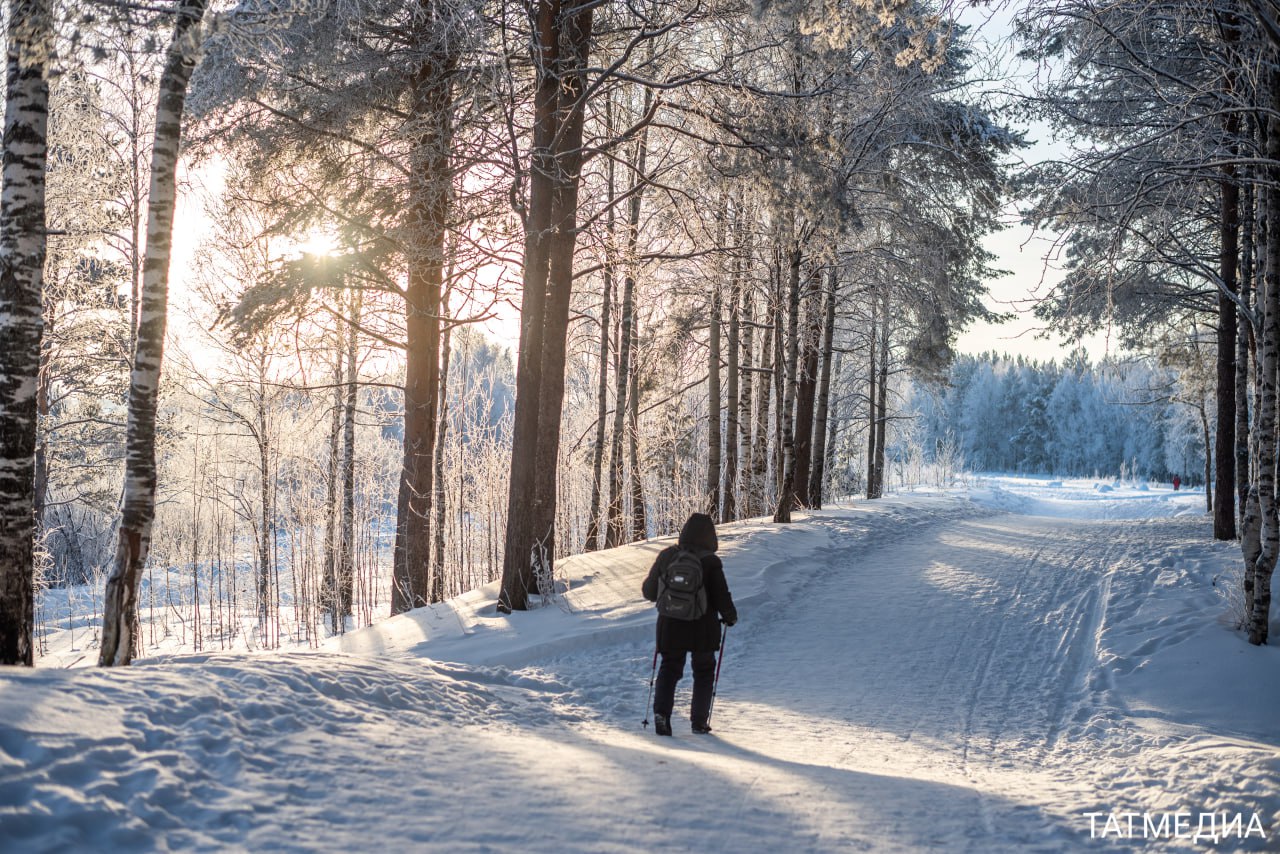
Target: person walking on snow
(699, 637)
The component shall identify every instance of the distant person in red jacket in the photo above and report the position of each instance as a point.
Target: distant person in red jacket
(1177, 481)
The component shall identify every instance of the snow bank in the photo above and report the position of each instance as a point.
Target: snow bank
(601, 602)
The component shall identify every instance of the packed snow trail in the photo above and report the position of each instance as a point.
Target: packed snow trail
(913, 674)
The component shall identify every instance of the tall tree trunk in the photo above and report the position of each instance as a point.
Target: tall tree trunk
(626, 346)
(786, 495)
(1260, 614)
(1224, 452)
(595, 532)
(1206, 431)
(1244, 332)
(806, 391)
(746, 402)
(560, 291)
(1251, 520)
(639, 519)
(882, 396)
(265, 517)
(329, 585)
(430, 188)
(779, 371)
(347, 533)
(614, 511)
(834, 420)
(1251, 547)
(730, 509)
(824, 391)
(760, 439)
(437, 558)
(560, 46)
(138, 503)
(873, 343)
(42, 461)
(22, 253)
(714, 436)
(517, 562)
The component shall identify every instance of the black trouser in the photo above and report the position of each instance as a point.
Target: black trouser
(670, 672)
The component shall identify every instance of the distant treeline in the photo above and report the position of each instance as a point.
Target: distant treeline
(1074, 418)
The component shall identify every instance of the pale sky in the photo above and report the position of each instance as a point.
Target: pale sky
(1018, 249)
(1022, 251)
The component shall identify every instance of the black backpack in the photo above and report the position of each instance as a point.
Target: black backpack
(681, 595)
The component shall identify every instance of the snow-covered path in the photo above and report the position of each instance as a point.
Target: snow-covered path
(918, 674)
(936, 688)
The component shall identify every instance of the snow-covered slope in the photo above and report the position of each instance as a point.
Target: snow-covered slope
(919, 673)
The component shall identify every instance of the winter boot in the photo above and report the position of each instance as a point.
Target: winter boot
(661, 724)
(701, 728)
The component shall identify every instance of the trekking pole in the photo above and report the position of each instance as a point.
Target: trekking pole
(724, 633)
(645, 723)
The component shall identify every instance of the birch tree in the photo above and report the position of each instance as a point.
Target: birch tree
(22, 255)
(119, 640)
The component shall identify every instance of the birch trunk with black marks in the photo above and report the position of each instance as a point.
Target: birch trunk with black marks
(743, 482)
(1251, 547)
(1225, 493)
(266, 519)
(137, 512)
(1253, 286)
(43, 382)
(23, 243)
(1260, 613)
(1224, 451)
(1243, 333)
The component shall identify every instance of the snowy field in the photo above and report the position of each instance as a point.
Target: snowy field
(992, 671)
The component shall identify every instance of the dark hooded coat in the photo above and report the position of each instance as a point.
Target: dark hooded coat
(703, 634)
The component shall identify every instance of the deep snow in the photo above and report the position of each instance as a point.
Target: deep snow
(927, 672)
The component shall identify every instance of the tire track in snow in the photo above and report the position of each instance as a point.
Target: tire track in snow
(1056, 608)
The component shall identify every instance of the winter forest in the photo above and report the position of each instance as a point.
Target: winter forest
(323, 317)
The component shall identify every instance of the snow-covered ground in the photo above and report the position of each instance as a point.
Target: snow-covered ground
(993, 671)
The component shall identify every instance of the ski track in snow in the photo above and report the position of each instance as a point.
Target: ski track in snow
(921, 673)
